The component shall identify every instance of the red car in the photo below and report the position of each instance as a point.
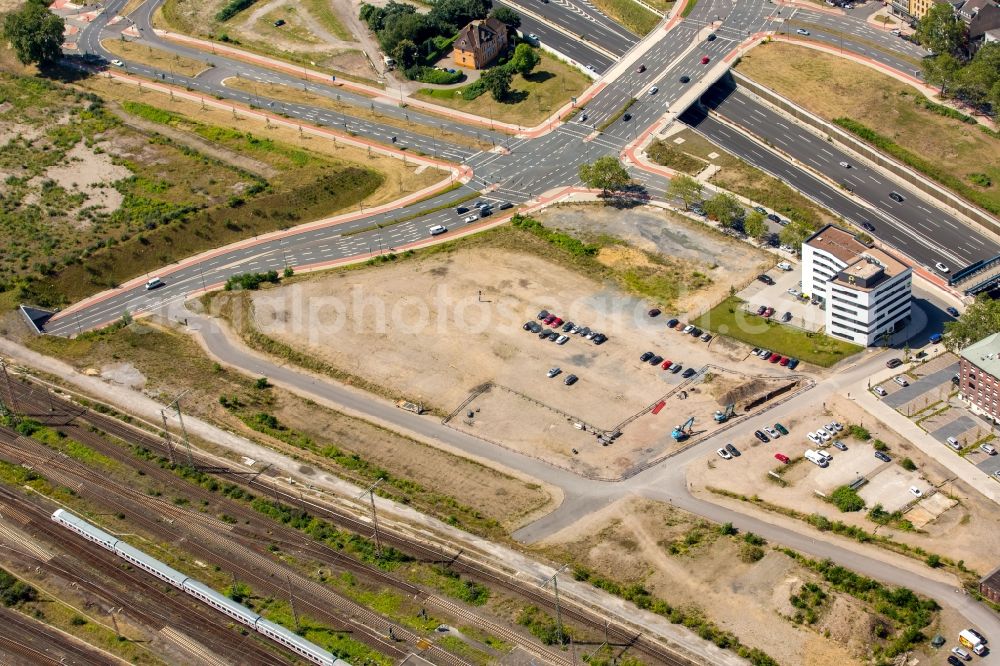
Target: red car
(782, 457)
(775, 358)
(768, 312)
(680, 326)
(704, 60)
(557, 322)
(666, 364)
(548, 320)
(784, 361)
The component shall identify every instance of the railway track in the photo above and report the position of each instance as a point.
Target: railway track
(19, 635)
(58, 412)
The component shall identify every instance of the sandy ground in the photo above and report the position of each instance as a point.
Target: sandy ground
(434, 329)
(952, 519)
(671, 235)
(630, 541)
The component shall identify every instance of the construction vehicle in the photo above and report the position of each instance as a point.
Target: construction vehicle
(723, 416)
(682, 432)
(410, 406)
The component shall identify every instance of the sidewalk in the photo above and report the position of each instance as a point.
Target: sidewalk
(957, 465)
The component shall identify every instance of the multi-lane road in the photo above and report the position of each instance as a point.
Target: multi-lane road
(532, 166)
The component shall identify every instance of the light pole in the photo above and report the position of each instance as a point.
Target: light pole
(555, 589)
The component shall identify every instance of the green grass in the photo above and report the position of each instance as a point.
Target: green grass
(630, 14)
(688, 8)
(675, 158)
(730, 319)
(456, 645)
(613, 118)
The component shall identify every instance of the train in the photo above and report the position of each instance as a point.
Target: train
(198, 590)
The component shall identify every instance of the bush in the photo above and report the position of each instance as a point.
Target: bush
(727, 529)
(933, 560)
(859, 432)
(438, 76)
(251, 280)
(847, 499)
(980, 179)
(232, 8)
(750, 553)
(879, 445)
(908, 465)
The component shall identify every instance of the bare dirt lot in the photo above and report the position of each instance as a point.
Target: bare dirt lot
(436, 328)
(688, 563)
(950, 519)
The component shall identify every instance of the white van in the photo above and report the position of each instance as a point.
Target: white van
(153, 283)
(815, 458)
(953, 443)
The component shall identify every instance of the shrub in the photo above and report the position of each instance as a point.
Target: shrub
(437, 76)
(847, 499)
(980, 179)
(231, 9)
(727, 529)
(879, 445)
(933, 560)
(859, 432)
(908, 465)
(750, 553)
(250, 280)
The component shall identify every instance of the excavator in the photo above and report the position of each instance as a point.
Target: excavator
(723, 416)
(682, 432)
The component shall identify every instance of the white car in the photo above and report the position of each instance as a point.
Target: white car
(802, 31)
(117, 63)
(725, 455)
(814, 438)
(793, 291)
(785, 266)
(688, 328)
(654, 90)
(988, 449)
(880, 391)
(941, 267)
(470, 219)
(553, 372)
(953, 443)
(771, 432)
(846, 165)
(961, 654)
(561, 340)
(823, 434)
(836, 426)
(825, 455)
(153, 283)
(916, 492)
(901, 380)
(438, 229)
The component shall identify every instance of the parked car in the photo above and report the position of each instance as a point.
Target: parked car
(780, 428)
(988, 449)
(784, 361)
(916, 492)
(784, 266)
(901, 380)
(675, 368)
(553, 372)
(761, 309)
(771, 432)
(706, 337)
(688, 373)
(814, 438)
(671, 323)
(725, 455)
(544, 335)
(879, 391)
(837, 426)
(705, 59)
(785, 318)
(562, 339)
(774, 359)
(823, 434)
(656, 360)
(685, 79)
(774, 218)
(792, 362)
(893, 363)
(568, 326)
(759, 434)
(952, 311)
(542, 314)
(840, 445)
(711, 37)
(584, 331)
(666, 364)
(954, 443)
(768, 311)
(961, 654)
(655, 312)
(781, 457)
(688, 328)
(882, 456)
(570, 380)
(766, 354)
(505, 205)
(553, 336)
(954, 661)
(557, 321)
(640, 69)
(733, 450)
(646, 356)
(695, 332)
(765, 278)
(600, 339)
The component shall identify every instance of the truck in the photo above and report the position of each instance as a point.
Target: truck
(972, 640)
(815, 458)
(410, 406)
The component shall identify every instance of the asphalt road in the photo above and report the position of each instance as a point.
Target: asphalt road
(926, 234)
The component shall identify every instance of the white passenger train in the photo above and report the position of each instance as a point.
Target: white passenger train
(198, 590)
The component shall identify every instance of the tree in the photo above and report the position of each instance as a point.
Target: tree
(35, 34)
(497, 80)
(507, 16)
(725, 208)
(974, 82)
(685, 188)
(980, 319)
(755, 225)
(524, 59)
(795, 232)
(942, 31)
(405, 54)
(847, 499)
(941, 70)
(605, 174)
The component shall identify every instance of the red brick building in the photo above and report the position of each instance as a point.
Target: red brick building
(979, 368)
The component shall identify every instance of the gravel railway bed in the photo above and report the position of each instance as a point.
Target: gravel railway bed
(100, 574)
(27, 641)
(42, 406)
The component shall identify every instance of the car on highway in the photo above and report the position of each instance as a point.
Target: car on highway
(553, 372)
(802, 31)
(759, 434)
(893, 363)
(117, 63)
(646, 356)
(735, 452)
(883, 457)
(846, 165)
(725, 455)
(655, 312)
(153, 283)
(469, 219)
(781, 457)
(705, 59)
(941, 267)
(654, 90)
(952, 311)
(868, 226)
(896, 196)
(685, 79)
(780, 428)
(570, 380)
(590, 67)
(640, 69)
(438, 229)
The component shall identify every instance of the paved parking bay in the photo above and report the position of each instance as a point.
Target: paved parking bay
(920, 386)
(990, 465)
(804, 314)
(959, 428)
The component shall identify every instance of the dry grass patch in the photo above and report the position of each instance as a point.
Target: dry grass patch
(153, 57)
(832, 87)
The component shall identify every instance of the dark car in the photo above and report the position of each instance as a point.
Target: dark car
(600, 339)
(695, 332)
(505, 205)
(674, 369)
(527, 326)
(773, 217)
(868, 226)
(655, 312)
(462, 209)
(952, 311)
(761, 310)
(760, 209)
(780, 428)
(646, 356)
(955, 661)
(883, 457)
(671, 323)
(688, 373)
(656, 360)
(685, 79)
(567, 327)
(485, 211)
(544, 334)
(640, 69)
(733, 450)
(542, 314)
(896, 196)
(279, 23)
(627, 117)
(792, 362)
(893, 363)
(759, 434)
(711, 37)
(570, 380)
(766, 279)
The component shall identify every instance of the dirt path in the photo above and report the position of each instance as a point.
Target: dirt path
(327, 40)
(195, 143)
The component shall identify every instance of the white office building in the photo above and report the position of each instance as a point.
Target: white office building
(865, 291)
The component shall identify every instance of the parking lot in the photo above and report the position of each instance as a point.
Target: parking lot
(804, 314)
